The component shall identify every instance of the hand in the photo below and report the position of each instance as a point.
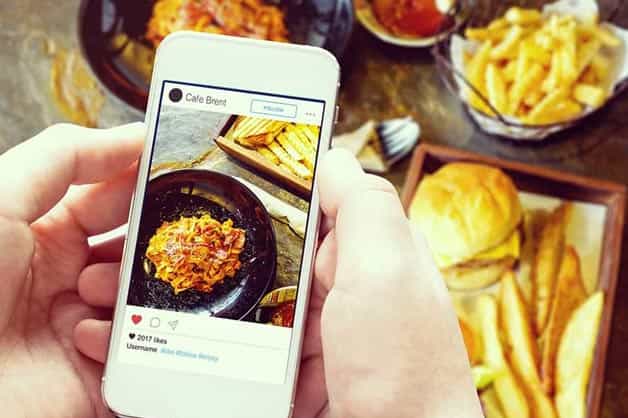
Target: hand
(44, 250)
(385, 329)
(382, 338)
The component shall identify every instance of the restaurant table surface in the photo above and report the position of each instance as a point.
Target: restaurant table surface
(379, 82)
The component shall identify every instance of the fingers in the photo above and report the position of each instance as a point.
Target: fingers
(15, 263)
(339, 171)
(91, 337)
(107, 251)
(311, 396)
(42, 168)
(372, 232)
(325, 264)
(98, 284)
(342, 177)
(101, 207)
(67, 311)
(373, 235)
(327, 224)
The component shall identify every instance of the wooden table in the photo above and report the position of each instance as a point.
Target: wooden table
(379, 82)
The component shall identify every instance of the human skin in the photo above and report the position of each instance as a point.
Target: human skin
(381, 339)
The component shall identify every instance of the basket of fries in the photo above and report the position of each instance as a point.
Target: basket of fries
(526, 70)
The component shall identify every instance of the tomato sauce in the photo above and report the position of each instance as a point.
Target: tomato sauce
(409, 17)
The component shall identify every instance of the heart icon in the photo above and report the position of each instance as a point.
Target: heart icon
(136, 319)
(132, 335)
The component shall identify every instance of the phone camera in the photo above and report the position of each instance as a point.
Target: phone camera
(175, 95)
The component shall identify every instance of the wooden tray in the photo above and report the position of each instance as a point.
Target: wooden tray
(301, 187)
(429, 158)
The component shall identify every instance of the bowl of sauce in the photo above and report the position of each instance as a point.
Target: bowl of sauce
(412, 23)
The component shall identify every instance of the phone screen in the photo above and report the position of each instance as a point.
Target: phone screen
(220, 245)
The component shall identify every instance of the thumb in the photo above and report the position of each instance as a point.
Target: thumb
(372, 232)
(389, 303)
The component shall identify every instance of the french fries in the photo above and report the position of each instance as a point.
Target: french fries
(291, 147)
(575, 357)
(507, 47)
(523, 349)
(268, 154)
(519, 16)
(490, 404)
(532, 352)
(547, 263)
(509, 71)
(509, 392)
(524, 82)
(569, 294)
(285, 159)
(600, 33)
(483, 376)
(525, 49)
(303, 147)
(471, 342)
(533, 221)
(529, 329)
(600, 66)
(496, 88)
(590, 95)
(476, 74)
(587, 52)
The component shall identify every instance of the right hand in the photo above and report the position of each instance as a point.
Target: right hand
(382, 338)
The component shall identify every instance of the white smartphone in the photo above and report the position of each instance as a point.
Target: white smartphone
(218, 258)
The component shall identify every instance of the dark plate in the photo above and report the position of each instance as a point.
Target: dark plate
(197, 192)
(324, 23)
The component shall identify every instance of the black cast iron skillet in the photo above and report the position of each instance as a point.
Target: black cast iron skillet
(324, 23)
(194, 193)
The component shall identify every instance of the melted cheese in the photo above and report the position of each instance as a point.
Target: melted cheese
(510, 247)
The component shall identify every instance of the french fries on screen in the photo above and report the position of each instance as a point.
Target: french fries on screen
(291, 147)
(539, 69)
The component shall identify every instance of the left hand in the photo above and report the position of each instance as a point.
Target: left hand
(58, 188)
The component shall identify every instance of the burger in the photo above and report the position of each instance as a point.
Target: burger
(471, 217)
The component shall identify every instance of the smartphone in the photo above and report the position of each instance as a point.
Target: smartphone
(218, 258)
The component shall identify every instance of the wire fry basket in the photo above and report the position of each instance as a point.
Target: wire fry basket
(499, 124)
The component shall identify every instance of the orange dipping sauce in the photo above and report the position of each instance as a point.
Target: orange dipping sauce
(419, 18)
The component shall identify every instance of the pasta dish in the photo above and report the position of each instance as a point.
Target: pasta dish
(196, 252)
(247, 18)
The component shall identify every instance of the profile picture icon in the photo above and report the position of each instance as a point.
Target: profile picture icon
(175, 95)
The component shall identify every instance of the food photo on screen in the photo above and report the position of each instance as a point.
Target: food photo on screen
(225, 213)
